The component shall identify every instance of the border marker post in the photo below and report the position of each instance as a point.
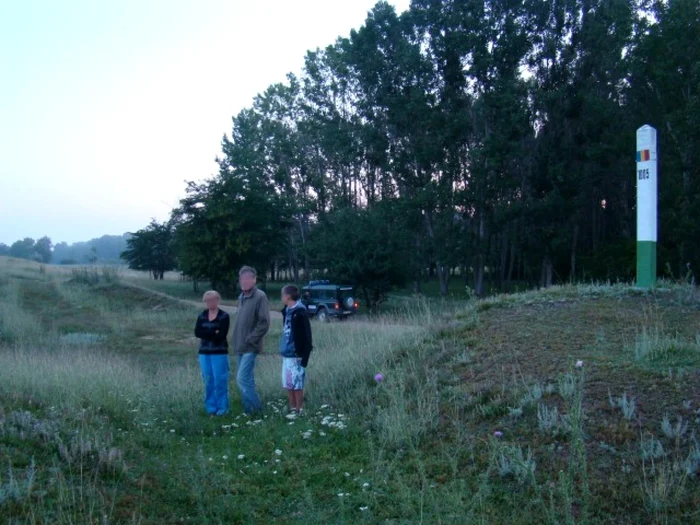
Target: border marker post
(647, 207)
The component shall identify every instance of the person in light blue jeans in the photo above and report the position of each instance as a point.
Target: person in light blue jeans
(212, 330)
(252, 324)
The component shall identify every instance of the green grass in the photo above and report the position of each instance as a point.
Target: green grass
(184, 290)
(483, 416)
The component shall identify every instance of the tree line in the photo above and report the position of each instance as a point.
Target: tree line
(106, 249)
(486, 143)
(34, 250)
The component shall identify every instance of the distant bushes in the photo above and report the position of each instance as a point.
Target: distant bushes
(92, 275)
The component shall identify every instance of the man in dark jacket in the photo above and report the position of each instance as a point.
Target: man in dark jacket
(252, 324)
(295, 346)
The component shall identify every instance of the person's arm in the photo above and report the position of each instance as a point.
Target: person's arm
(262, 325)
(301, 330)
(224, 325)
(201, 332)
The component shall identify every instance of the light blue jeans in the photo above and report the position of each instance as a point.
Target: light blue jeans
(246, 383)
(215, 371)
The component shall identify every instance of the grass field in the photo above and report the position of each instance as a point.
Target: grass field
(570, 405)
(175, 287)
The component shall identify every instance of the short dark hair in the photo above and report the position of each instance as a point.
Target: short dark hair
(248, 269)
(292, 291)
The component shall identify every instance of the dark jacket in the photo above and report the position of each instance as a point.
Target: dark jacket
(300, 334)
(252, 323)
(212, 334)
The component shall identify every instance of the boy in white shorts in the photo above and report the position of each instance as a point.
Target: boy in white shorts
(295, 346)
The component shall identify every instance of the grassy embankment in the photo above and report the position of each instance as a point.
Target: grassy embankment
(483, 416)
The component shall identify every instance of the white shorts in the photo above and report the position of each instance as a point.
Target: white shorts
(293, 374)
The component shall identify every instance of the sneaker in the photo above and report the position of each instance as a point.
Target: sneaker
(222, 412)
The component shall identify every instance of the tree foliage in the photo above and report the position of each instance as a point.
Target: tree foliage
(366, 247)
(226, 223)
(496, 137)
(43, 249)
(30, 249)
(106, 249)
(151, 249)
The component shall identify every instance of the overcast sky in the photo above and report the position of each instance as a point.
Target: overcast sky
(106, 107)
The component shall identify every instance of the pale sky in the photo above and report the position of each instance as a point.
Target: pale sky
(107, 107)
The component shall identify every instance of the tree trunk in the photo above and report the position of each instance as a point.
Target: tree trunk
(417, 286)
(444, 276)
(574, 243)
(546, 277)
(302, 234)
(511, 264)
(504, 260)
(479, 277)
(479, 269)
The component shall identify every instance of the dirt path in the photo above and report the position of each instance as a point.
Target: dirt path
(196, 304)
(274, 314)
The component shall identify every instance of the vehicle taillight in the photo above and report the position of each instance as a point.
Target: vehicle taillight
(337, 306)
(357, 305)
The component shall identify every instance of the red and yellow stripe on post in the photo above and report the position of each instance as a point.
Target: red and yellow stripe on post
(643, 155)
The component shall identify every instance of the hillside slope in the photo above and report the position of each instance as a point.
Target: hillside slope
(483, 415)
(514, 371)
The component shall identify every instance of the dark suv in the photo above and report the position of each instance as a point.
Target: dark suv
(325, 300)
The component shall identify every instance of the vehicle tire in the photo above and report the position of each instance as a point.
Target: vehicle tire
(322, 315)
(350, 302)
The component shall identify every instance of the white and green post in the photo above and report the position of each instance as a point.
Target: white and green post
(647, 187)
